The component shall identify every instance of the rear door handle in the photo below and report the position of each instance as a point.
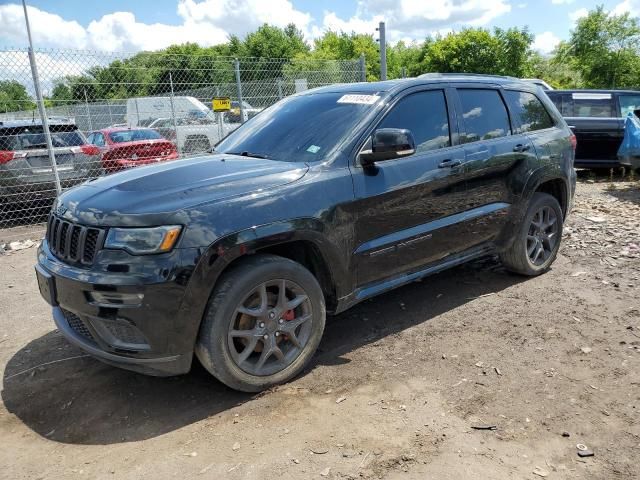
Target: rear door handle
(451, 162)
(521, 148)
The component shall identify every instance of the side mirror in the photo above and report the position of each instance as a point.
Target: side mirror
(387, 144)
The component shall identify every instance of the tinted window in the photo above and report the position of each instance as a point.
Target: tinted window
(425, 114)
(528, 111)
(592, 105)
(562, 101)
(629, 103)
(32, 137)
(484, 115)
(134, 135)
(98, 139)
(300, 128)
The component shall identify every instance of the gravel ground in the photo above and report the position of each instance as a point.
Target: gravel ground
(396, 390)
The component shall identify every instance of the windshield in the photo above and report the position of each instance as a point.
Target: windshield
(32, 137)
(304, 128)
(134, 136)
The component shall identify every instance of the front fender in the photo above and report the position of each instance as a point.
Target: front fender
(224, 251)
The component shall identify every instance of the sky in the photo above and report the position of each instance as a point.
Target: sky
(130, 26)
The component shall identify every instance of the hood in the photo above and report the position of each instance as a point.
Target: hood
(172, 187)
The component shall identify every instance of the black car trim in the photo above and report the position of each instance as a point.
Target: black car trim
(386, 285)
(405, 237)
(80, 342)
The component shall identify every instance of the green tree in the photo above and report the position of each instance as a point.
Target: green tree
(476, 50)
(14, 97)
(553, 70)
(402, 56)
(349, 46)
(604, 49)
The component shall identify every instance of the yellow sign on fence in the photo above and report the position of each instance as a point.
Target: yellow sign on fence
(221, 104)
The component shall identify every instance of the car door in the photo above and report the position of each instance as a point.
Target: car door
(492, 152)
(403, 207)
(596, 123)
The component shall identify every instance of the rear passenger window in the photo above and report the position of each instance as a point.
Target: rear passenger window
(592, 105)
(629, 104)
(528, 111)
(425, 114)
(484, 115)
(562, 101)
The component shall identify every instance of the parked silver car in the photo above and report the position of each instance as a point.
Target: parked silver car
(26, 173)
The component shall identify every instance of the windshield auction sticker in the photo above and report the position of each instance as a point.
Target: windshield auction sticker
(359, 99)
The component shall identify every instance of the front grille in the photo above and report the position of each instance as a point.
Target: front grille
(78, 326)
(72, 242)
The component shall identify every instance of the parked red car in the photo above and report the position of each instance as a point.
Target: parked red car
(125, 147)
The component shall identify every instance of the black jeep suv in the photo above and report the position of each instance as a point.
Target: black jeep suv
(324, 199)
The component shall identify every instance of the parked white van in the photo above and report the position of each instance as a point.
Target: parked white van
(184, 120)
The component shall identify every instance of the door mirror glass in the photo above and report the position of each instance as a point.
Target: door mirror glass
(387, 144)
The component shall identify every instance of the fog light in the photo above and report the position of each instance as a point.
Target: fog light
(115, 299)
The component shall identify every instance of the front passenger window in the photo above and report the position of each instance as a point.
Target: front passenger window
(425, 114)
(484, 115)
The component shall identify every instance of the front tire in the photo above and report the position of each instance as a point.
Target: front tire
(263, 324)
(538, 239)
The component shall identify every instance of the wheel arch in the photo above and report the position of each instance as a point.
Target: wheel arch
(301, 240)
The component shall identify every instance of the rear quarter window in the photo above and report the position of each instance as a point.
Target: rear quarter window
(628, 104)
(484, 115)
(529, 113)
(593, 105)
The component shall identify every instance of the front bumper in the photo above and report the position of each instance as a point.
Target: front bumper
(131, 320)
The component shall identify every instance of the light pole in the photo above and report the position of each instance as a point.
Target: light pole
(383, 51)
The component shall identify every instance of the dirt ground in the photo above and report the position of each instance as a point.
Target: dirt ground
(394, 392)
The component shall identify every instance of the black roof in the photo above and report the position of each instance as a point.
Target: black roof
(392, 86)
(27, 122)
(594, 90)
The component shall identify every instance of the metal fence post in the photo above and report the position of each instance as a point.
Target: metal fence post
(279, 83)
(173, 116)
(239, 83)
(86, 102)
(41, 107)
(363, 68)
(110, 114)
(219, 118)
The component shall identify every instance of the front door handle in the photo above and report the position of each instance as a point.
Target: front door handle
(449, 163)
(521, 148)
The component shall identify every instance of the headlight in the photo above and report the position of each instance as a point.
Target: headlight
(139, 241)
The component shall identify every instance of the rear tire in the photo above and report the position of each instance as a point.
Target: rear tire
(538, 239)
(256, 334)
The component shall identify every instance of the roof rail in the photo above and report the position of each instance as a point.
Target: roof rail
(438, 74)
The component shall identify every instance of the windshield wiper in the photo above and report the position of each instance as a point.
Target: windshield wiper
(248, 154)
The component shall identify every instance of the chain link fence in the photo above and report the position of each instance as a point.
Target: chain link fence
(109, 111)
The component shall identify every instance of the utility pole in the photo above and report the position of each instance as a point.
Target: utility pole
(383, 51)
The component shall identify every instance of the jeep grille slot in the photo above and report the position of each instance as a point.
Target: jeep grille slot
(73, 243)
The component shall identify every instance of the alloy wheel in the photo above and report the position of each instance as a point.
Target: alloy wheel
(270, 327)
(542, 237)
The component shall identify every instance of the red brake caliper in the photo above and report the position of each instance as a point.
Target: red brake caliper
(288, 315)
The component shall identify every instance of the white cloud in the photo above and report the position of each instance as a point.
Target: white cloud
(415, 18)
(578, 14)
(46, 28)
(627, 6)
(206, 22)
(562, 2)
(210, 22)
(545, 42)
